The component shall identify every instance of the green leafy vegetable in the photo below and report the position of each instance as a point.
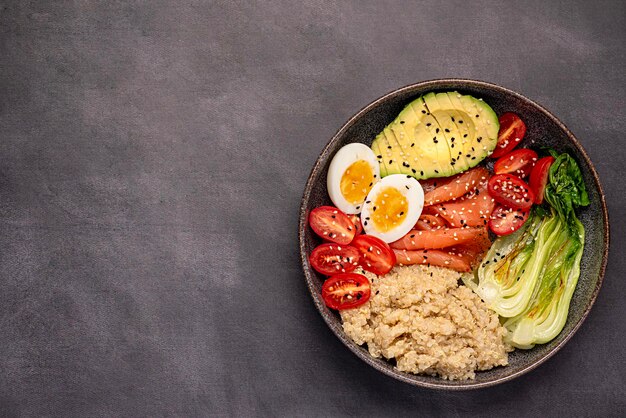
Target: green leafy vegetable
(529, 277)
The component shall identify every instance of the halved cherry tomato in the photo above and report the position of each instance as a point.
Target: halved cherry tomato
(334, 258)
(346, 290)
(332, 224)
(511, 191)
(505, 221)
(512, 131)
(428, 222)
(539, 177)
(376, 255)
(519, 162)
(356, 220)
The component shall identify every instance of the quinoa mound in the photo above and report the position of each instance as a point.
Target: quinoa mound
(421, 317)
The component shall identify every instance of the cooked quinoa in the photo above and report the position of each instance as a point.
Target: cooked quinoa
(429, 323)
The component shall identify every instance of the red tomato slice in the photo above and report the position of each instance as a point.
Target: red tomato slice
(519, 162)
(472, 210)
(441, 258)
(346, 290)
(428, 222)
(512, 131)
(539, 177)
(511, 191)
(456, 186)
(505, 221)
(332, 224)
(334, 258)
(376, 255)
(442, 238)
(356, 220)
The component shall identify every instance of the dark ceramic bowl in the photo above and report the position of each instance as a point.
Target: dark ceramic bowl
(543, 130)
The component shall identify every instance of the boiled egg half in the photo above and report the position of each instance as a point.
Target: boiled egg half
(351, 175)
(392, 207)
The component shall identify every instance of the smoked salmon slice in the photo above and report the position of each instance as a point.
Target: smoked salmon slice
(444, 190)
(437, 238)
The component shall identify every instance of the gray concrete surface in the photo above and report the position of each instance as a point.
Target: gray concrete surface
(152, 160)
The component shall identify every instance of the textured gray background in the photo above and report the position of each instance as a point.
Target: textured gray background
(152, 160)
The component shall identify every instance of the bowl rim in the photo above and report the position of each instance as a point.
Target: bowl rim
(366, 357)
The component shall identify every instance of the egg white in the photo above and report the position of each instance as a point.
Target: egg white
(414, 194)
(344, 158)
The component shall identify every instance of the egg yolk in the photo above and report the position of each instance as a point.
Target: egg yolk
(391, 208)
(357, 182)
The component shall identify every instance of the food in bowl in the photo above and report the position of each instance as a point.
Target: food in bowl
(509, 227)
(426, 322)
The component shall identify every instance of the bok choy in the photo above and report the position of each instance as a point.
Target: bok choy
(529, 277)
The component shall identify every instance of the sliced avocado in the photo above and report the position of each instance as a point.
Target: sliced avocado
(467, 129)
(394, 152)
(416, 142)
(441, 113)
(484, 121)
(430, 147)
(379, 157)
(455, 130)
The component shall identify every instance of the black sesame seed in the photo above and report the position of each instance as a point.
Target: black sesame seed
(374, 208)
(480, 138)
(364, 223)
(464, 135)
(402, 122)
(447, 130)
(413, 144)
(451, 145)
(452, 117)
(379, 156)
(460, 121)
(428, 124)
(423, 111)
(390, 161)
(401, 213)
(477, 116)
(437, 130)
(414, 170)
(452, 139)
(388, 146)
(435, 140)
(437, 171)
(412, 235)
(421, 173)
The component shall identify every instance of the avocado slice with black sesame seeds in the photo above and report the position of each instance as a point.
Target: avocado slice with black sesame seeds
(416, 142)
(484, 121)
(379, 157)
(455, 130)
(395, 155)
